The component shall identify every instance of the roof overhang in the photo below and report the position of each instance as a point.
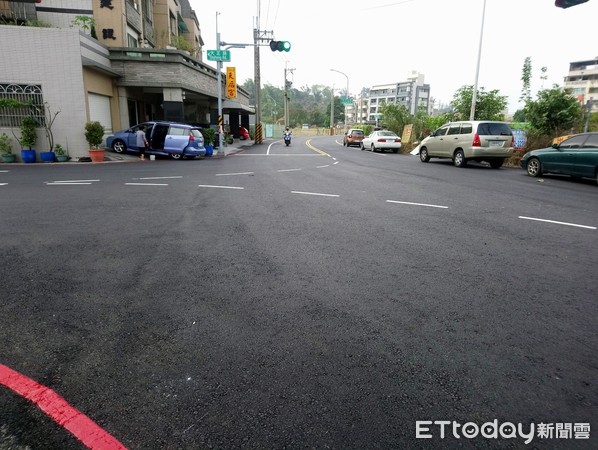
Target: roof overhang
(233, 104)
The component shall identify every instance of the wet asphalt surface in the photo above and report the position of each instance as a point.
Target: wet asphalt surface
(219, 303)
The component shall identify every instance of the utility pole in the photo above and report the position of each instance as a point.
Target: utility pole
(332, 111)
(477, 73)
(219, 70)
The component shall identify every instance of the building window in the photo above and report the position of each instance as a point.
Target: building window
(173, 24)
(132, 41)
(28, 94)
(148, 10)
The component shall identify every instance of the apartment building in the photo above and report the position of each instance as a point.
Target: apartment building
(120, 62)
(582, 79)
(413, 93)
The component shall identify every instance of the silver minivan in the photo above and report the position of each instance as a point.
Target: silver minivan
(479, 140)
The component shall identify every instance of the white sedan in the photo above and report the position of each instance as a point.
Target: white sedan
(381, 140)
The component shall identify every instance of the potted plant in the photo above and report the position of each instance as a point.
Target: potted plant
(208, 137)
(50, 117)
(61, 155)
(94, 134)
(6, 149)
(28, 139)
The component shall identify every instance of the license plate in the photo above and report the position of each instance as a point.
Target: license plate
(495, 143)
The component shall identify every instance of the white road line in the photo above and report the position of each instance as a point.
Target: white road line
(314, 193)
(238, 173)
(334, 164)
(4, 171)
(157, 178)
(277, 154)
(146, 184)
(558, 223)
(321, 167)
(219, 187)
(3, 184)
(270, 146)
(417, 204)
(74, 181)
(288, 170)
(65, 184)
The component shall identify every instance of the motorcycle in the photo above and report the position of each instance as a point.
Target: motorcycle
(287, 139)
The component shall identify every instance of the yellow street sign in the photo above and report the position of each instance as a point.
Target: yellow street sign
(231, 82)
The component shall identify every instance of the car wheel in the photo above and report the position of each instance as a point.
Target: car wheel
(459, 159)
(534, 167)
(372, 148)
(119, 146)
(423, 155)
(344, 143)
(395, 150)
(362, 146)
(497, 163)
(176, 155)
(190, 157)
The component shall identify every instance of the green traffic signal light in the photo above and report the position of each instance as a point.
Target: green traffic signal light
(280, 46)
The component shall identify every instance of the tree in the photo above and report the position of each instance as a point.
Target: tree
(555, 112)
(489, 105)
(526, 76)
(395, 117)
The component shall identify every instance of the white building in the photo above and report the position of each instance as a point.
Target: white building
(583, 81)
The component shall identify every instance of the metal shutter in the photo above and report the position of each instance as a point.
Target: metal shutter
(99, 109)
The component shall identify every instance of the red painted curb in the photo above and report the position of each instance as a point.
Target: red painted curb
(80, 426)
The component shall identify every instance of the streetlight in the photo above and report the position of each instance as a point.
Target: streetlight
(477, 73)
(346, 93)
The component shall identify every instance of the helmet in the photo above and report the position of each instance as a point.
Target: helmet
(287, 128)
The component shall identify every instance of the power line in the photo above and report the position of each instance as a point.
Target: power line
(390, 4)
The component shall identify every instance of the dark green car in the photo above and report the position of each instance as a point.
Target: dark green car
(576, 156)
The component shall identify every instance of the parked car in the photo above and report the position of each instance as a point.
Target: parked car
(489, 141)
(172, 139)
(576, 156)
(353, 136)
(381, 140)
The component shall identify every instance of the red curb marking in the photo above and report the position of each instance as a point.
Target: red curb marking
(81, 426)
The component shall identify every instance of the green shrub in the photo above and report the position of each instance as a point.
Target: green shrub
(94, 134)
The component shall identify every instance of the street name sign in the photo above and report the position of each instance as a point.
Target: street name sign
(218, 55)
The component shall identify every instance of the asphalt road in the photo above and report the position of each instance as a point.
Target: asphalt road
(314, 296)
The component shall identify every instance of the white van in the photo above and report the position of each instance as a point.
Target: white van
(485, 140)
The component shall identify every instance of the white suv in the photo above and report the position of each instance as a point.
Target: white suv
(464, 141)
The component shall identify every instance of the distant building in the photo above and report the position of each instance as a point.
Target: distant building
(583, 81)
(413, 93)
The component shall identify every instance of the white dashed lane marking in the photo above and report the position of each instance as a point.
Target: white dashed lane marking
(558, 223)
(146, 184)
(231, 174)
(314, 193)
(417, 204)
(220, 187)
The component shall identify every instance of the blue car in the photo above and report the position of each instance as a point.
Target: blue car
(176, 140)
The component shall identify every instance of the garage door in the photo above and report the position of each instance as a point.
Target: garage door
(99, 109)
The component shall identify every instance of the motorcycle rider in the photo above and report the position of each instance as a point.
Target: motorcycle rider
(287, 135)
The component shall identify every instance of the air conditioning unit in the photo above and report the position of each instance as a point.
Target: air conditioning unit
(136, 6)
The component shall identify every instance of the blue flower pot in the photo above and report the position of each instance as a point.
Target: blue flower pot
(47, 156)
(28, 156)
(209, 150)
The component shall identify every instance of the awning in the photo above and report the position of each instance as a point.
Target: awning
(182, 26)
(233, 104)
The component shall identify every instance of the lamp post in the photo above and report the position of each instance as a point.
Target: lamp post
(346, 93)
(477, 73)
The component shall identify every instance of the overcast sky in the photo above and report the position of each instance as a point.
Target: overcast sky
(381, 41)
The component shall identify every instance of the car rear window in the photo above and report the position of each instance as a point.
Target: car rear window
(358, 132)
(196, 133)
(176, 131)
(386, 133)
(494, 129)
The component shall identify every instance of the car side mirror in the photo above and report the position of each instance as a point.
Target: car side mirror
(555, 146)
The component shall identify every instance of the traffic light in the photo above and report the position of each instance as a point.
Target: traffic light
(568, 3)
(281, 46)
